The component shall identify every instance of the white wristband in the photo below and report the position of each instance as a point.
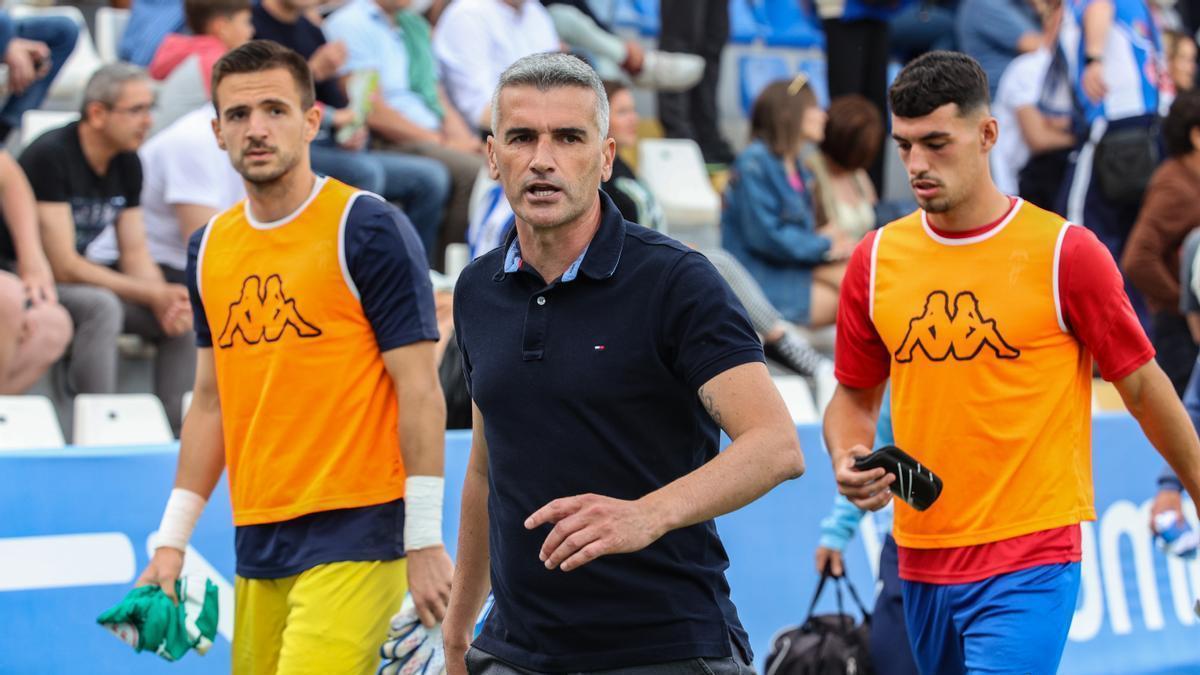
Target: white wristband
(179, 519)
(423, 512)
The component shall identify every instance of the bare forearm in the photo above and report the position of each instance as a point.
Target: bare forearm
(850, 420)
(1152, 401)
(83, 271)
(1097, 21)
(19, 208)
(201, 450)
(423, 430)
(750, 467)
(398, 129)
(471, 574)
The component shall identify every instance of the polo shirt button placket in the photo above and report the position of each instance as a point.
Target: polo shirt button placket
(533, 344)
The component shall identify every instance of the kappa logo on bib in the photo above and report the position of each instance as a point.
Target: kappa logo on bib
(962, 333)
(264, 312)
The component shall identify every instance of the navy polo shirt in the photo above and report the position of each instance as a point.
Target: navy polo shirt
(588, 384)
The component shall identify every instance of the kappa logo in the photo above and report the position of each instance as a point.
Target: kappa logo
(962, 333)
(263, 312)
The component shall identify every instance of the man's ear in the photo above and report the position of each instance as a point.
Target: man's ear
(989, 132)
(216, 127)
(493, 168)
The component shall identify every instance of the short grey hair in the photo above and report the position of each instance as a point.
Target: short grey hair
(105, 84)
(552, 71)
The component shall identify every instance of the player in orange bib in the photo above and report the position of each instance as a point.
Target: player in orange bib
(316, 387)
(986, 313)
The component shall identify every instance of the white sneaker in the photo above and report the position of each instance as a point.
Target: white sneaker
(670, 71)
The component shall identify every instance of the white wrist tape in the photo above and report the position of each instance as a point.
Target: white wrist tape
(423, 511)
(179, 519)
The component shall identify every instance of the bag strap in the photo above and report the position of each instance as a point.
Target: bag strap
(853, 594)
(812, 606)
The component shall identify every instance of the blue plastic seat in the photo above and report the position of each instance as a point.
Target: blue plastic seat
(756, 71)
(791, 25)
(747, 23)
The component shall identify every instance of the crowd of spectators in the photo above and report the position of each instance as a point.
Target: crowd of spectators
(97, 212)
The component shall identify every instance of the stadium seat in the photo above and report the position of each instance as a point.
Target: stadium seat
(747, 23)
(182, 92)
(799, 398)
(791, 25)
(756, 71)
(120, 419)
(673, 168)
(110, 25)
(66, 92)
(818, 77)
(34, 123)
(28, 423)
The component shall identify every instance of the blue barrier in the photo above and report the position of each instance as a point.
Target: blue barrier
(75, 525)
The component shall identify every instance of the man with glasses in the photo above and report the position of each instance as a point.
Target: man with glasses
(87, 180)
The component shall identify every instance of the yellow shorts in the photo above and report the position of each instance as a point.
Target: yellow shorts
(328, 620)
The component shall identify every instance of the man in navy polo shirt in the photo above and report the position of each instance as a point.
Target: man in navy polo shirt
(603, 360)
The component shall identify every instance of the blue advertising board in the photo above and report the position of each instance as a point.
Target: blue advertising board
(74, 526)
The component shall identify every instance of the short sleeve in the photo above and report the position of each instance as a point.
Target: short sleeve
(1096, 308)
(459, 338)
(861, 359)
(704, 329)
(1188, 301)
(192, 177)
(199, 316)
(42, 166)
(1001, 24)
(131, 180)
(388, 271)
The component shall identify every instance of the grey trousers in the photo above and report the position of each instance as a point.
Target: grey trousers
(91, 361)
(480, 662)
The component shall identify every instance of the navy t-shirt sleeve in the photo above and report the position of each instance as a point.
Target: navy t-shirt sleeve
(131, 179)
(705, 329)
(199, 317)
(387, 265)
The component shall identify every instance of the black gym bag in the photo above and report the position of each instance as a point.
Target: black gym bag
(826, 644)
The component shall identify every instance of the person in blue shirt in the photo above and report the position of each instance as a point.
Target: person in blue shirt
(994, 32)
(768, 223)
(150, 22)
(34, 49)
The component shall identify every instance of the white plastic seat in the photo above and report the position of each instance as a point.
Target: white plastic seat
(673, 168)
(110, 26)
(799, 398)
(120, 419)
(66, 92)
(28, 423)
(34, 123)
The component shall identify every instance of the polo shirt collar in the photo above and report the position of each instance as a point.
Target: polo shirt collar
(599, 258)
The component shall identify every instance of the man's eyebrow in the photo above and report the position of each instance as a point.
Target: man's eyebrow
(518, 131)
(578, 131)
(933, 135)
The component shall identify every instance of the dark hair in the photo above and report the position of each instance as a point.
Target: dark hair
(1183, 117)
(853, 132)
(258, 55)
(777, 113)
(935, 79)
(200, 12)
(614, 87)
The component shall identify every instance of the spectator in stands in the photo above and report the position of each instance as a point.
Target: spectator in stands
(1030, 156)
(994, 32)
(34, 49)
(1180, 50)
(217, 26)
(768, 222)
(88, 181)
(412, 113)
(187, 179)
(1120, 99)
(856, 51)
(781, 341)
(842, 191)
(421, 185)
(34, 329)
(477, 39)
(922, 27)
(698, 27)
(616, 58)
(150, 21)
(1169, 213)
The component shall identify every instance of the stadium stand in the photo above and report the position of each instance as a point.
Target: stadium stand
(120, 419)
(28, 422)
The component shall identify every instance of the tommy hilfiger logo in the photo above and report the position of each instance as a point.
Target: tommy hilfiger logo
(962, 333)
(263, 312)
